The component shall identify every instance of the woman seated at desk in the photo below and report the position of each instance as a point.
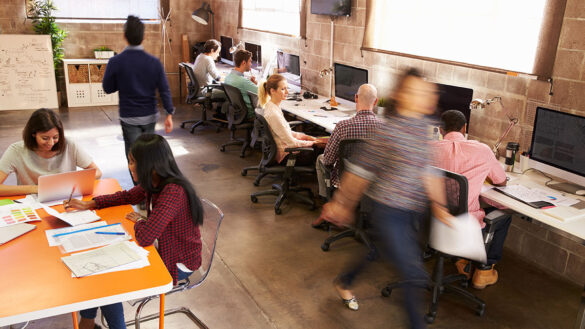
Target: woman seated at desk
(174, 213)
(270, 94)
(43, 151)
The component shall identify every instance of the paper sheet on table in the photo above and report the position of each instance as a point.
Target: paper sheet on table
(73, 218)
(16, 213)
(30, 201)
(463, 239)
(101, 259)
(56, 241)
(90, 239)
(143, 262)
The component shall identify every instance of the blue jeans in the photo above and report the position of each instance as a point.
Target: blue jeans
(496, 249)
(113, 313)
(181, 275)
(395, 234)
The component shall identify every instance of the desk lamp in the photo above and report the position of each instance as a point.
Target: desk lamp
(237, 47)
(202, 14)
(481, 104)
(323, 73)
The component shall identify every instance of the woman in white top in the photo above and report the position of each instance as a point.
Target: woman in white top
(270, 94)
(43, 151)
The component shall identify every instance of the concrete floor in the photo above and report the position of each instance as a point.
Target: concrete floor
(269, 270)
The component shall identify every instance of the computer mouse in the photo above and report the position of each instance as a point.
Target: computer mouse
(580, 192)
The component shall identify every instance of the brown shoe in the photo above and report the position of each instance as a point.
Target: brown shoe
(464, 267)
(484, 278)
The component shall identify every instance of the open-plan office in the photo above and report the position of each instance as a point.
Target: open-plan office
(516, 72)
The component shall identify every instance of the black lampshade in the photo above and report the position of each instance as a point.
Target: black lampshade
(201, 15)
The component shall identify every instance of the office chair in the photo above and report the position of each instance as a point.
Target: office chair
(212, 218)
(456, 191)
(268, 165)
(237, 119)
(347, 150)
(201, 96)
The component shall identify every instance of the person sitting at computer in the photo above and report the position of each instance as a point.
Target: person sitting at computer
(44, 150)
(362, 126)
(174, 216)
(270, 94)
(204, 67)
(243, 62)
(476, 162)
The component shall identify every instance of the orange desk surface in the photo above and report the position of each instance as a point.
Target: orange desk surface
(34, 282)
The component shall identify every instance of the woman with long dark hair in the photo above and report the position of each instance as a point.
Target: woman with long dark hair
(174, 212)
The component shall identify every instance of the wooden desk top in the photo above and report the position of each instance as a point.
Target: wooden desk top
(34, 282)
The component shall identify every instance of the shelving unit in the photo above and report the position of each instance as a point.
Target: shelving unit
(83, 80)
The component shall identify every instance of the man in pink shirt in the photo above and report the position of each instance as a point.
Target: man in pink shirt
(476, 162)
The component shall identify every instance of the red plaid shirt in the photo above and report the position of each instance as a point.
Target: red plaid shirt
(362, 125)
(179, 240)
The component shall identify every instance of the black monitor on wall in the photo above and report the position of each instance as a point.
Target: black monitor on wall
(256, 51)
(348, 80)
(454, 98)
(224, 54)
(331, 7)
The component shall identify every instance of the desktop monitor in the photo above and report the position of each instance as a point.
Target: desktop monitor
(558, 140)
(288, 63)
(331, 7)
(256, 51)
(454, 98)
(224, 54)
(348, 80)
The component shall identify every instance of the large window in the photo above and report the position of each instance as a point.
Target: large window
(271, 15)
(106, 9)
(501, 34)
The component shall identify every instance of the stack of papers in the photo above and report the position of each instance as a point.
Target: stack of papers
(117, 257)
(527, 194)
(16, 214)
(565, 214)
(86, 236)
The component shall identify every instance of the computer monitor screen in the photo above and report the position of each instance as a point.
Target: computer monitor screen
(288, 63)
(348, 80)
(454, 98)
(331, 7)
(226, 44)
(558, 139)
(256, 51)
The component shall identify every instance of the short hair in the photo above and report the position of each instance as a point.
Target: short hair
(452, 120)
(43, 120)
(211, 45)
(134, 30)
(241, 56)
(367, 94)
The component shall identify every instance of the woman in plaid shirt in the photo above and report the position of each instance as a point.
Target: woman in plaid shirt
(174, 212)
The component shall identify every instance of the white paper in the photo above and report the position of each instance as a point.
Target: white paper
(73, 218)
(463, 239)
(101, 259)
(143, 262)
(90, 239)
(56, 241)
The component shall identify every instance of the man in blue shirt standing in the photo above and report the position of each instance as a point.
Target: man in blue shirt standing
(136, 75)
(243, 62)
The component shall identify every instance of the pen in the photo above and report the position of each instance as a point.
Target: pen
(71, 195)
(87, 229)
(111, 233)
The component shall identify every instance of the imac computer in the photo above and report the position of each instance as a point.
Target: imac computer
(348, 80)
(256, 51)
(224, 54)
(289, 66)
(558, 148)
(454, 98)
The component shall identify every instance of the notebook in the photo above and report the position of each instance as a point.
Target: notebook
(8, 233)
(565, 214)
(58, 187)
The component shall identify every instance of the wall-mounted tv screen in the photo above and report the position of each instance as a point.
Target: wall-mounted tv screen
(331, 7)
(224, 54)
(348, 80)
(256, 51)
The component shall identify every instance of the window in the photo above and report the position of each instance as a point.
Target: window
(501, 34)
(281, 16)
(106, 9)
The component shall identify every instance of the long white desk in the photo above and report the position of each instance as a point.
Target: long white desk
(310, 110)
(574, 230)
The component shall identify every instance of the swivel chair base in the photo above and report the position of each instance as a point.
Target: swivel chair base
(283, 192)
(358, 234)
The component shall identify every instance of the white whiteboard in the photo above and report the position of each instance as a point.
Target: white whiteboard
(27, 76)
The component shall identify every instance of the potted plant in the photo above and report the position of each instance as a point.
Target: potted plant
(103, 52)
(381, 106)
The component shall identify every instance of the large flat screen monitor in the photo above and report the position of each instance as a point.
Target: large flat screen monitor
(348, 80)
(288, 63)
(256, 51)
(454, 98)
(331, 7)
(558, 140)
(224, 54)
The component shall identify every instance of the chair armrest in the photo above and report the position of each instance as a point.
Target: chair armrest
(297, 149)
(495, 216)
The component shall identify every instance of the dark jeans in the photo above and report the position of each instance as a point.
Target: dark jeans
(131, 133)
(113, 313)
(181, 275)
(395, 234)
(494, 253)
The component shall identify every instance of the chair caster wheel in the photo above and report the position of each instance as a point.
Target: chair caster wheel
(254, 199)
(277, 211)
(217, 130)
(465, 284)
(182, 125)
(222, 149)
(325, 246)
(481, 310)
(430, 317)
(256, 183)
(242, 155)
(386, 292)
(244, 172)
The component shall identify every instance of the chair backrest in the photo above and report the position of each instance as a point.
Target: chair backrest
(348, 150)
(456, 191)
(212, 217)
(269, 148)
(255, 135)
(238, 111)
(253, 99)
(193, 84)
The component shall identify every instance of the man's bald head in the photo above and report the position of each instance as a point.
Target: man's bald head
(367, 97)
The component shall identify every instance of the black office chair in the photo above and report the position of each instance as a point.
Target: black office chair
(456, 191)
(202, 97)
(268, 165)
(348, 148)
(237, 119)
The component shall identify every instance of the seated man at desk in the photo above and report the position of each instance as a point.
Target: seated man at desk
(204, 67)
(476, 162)
(243, 62)
(362, 125)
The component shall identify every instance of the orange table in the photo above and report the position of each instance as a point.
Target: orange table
(34, 282)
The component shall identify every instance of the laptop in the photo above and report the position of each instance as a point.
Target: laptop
(58, 187)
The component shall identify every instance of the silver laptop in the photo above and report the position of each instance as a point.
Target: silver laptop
(59, 186)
